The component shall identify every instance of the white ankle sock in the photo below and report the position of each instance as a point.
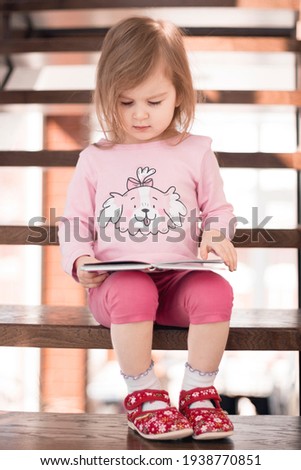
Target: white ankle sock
(147, 379)
(194, 378)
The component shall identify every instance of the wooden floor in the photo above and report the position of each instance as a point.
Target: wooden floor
(31, 431)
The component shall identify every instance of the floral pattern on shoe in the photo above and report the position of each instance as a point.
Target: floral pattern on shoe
(164, 423)
(207, 423)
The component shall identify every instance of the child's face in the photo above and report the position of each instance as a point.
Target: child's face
(147, 110)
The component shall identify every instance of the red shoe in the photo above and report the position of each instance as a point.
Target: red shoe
(207, 423)
(166, 423)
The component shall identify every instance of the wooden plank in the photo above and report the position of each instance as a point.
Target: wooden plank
(244, 238)
(74, 327)
(93, 43)
(68, 158)
(43, 158)
(242, 44)
(63, 431)
(257, 160)
(258, 97)
(63, 44)
(267, 238)
(27, 5)
(46, 96)
(29, 235)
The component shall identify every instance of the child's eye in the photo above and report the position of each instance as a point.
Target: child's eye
(154, 103)
(126, 103)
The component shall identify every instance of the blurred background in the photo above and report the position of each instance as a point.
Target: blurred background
(76, 380)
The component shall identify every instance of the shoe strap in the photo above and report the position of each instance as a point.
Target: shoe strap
(137, 398)
(199, 394)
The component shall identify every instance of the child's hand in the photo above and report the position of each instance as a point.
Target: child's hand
(214, 241)
(87, 279)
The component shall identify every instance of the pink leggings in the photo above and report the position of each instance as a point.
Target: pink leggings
(174, 298)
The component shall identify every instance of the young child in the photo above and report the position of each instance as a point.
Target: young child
(140, 194)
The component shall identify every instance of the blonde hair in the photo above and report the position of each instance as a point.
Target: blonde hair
(130, 52)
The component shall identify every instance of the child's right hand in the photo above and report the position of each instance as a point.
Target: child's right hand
(86, 278)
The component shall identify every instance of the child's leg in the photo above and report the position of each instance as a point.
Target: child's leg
(209, 300)
(206, 345)
(127, 303)
(193, 297)
(203, 300)
(133, 344)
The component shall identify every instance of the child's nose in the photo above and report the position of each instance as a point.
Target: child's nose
(140, 113)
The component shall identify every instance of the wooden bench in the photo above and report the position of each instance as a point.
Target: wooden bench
(74, 327)
(23, 431)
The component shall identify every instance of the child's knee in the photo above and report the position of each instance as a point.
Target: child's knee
(210, 299)
(131, 296)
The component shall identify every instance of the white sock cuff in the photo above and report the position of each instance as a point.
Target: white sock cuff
(139, 376)
(201, 374)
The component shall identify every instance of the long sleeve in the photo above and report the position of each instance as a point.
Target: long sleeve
(76, 230)
(216, 212)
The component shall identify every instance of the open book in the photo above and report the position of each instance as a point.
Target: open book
(192, 265)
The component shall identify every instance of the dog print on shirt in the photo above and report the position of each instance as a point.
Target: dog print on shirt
(143, 208)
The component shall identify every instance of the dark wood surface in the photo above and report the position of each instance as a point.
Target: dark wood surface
(258, 97)
(46, 96)
(244, 238)
(67, 158)
(25, 5)
(32, 431)
(92, 42)
(74, 327)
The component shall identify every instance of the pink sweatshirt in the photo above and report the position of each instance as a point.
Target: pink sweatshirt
(143, 202)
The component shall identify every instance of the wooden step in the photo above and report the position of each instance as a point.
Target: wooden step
(74, 327)
(27, 5)
(66, 97)
(45, 431)
(244, 238)
(68, 158)
(93, 43)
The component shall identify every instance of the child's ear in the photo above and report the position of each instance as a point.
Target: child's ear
(178, 100)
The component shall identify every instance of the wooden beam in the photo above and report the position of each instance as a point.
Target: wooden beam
(93, 43)
(68, 158)
(42, 235)
(46, 97)
(65, 97)
(241, 44)
(28, 5)
(42, 158)
(259, 160)
(267, 238)
(29, 235)
(57, 44)
(259, 97)
(74, 327)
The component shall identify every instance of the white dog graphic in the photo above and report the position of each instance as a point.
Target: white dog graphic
(143, 208)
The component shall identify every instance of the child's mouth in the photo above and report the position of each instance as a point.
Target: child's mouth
(141, 128)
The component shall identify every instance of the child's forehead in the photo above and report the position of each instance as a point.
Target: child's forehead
(155, 84)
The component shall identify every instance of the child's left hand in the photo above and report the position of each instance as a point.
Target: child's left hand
(214, 241)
